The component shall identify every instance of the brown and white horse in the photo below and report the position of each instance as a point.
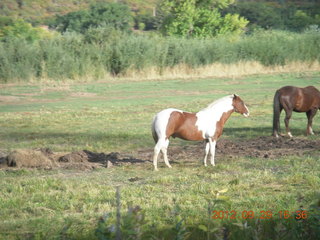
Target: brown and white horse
(206, 124)
(295, 99)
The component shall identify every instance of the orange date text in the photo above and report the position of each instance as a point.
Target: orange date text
(249, 214)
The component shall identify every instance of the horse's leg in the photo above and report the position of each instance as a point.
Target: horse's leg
(286, 120)
(212, 151)
(164, 152)
(206, 153)
(310, 114)
(156, 152)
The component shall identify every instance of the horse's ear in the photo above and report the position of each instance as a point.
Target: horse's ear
(235, 96)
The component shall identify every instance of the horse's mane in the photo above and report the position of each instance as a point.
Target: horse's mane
(218, 101)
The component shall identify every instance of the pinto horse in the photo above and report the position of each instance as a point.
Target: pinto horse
(206, 124)
(295, 99)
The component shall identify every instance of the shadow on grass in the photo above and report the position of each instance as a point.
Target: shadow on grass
(67, 141)
(113, 141)
(255, 132)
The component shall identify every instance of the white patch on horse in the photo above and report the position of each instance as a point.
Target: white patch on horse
(161, 121)
(208, 117)
(311, 131)
(246, 114)
(159, 128)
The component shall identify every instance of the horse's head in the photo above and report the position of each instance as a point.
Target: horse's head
(239, 106)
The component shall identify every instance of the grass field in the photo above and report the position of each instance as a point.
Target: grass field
(115, 116)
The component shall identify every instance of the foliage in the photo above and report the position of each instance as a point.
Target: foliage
(271, 15)
(264, 13)
(145, 21)
(114, 15)
(132, 225)
(198, 19)
(258, 14)
(19, 29)
(43, 11)
(102, 51)
(301, 20)
(5, 21)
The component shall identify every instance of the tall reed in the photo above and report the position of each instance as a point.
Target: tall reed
(103, 52)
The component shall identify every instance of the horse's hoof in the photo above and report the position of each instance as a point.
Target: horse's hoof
(290, 135)
(169, 166)
(275, 134)
(156, 169)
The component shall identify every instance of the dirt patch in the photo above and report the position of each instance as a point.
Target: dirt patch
(45, 158)
(262, 147)
(269, 147)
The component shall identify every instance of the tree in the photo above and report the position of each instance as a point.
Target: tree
(259, 14)
(114, 15)
(198, 18)
(23, 30)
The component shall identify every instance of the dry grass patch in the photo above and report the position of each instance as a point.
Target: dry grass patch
(219, 70)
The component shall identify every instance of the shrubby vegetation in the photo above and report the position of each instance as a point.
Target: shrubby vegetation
(19, 29)
(284, 15)
(198, 18)
(113, 15)
(103, 50)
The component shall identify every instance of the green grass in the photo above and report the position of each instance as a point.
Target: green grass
(109, 117)
(117, 116)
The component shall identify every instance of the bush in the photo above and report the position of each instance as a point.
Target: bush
(113, 15)
(22, 30)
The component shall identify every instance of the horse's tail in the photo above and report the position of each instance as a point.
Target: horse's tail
(276, 113)
(153, 130)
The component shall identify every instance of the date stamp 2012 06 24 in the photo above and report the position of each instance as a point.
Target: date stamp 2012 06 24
(249, 214)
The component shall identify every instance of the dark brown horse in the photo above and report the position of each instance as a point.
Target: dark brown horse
(295, 99)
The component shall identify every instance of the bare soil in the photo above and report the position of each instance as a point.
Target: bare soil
(262, 147)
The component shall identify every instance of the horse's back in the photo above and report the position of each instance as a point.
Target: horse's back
(299, 99)
(311, 90)
(292, 90)
(311, 96)
(286, 90)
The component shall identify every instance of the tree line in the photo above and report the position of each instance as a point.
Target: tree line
(182, 18)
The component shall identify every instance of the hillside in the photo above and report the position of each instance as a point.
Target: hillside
(39, 11)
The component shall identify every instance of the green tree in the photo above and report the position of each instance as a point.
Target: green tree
(301, 20)
(114, 15)
(23, 30)
(198, 18)
(73, 21)
(259, 14)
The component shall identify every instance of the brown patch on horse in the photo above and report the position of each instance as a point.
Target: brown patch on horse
(220, 124)
(304, 98)
(183, 125)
